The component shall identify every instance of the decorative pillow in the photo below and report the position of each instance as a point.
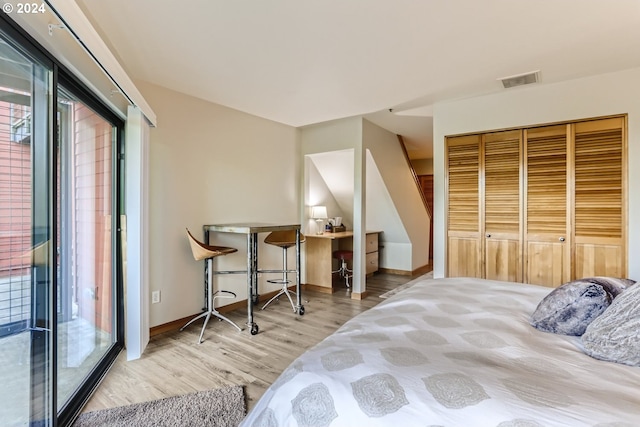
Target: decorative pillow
(615, 335)
(570, 308)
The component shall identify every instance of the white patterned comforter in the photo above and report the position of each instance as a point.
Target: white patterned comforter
(451, 352)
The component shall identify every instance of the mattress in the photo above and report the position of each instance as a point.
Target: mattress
(450, 352)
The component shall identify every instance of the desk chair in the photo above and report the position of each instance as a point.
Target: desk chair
(202, 251)
(284, 239)
(343, 255)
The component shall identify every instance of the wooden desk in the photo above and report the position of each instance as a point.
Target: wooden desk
(319, 256)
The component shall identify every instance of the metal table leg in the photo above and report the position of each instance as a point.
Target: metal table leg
(252, 285)
(207, 283)
(254, 269)
(299, 306)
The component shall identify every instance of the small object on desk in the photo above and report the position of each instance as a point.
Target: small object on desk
(338, 228)
(319, 213)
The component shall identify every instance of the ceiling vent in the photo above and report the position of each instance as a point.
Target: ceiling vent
(521, 79)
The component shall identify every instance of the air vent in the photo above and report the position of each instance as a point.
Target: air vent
(520, 79)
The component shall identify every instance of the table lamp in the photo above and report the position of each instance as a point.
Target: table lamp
(319, 213)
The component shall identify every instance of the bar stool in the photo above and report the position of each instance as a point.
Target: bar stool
(284, 239)
(202, 251)
(343, 255)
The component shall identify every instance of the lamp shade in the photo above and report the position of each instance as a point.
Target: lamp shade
(319, 212)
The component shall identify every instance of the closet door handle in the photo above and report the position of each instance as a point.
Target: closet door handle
(561, 239)
(488, 235)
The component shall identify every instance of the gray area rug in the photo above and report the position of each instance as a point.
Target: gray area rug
(224, 407)
(407, 285)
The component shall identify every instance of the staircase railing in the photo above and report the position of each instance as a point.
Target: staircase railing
(413, 173)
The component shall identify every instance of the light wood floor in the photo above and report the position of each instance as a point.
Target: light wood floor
(174, 363)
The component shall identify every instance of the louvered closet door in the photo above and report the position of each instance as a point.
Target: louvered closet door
(599, 198)
(546, 239)
(502, 214)
(463, 228)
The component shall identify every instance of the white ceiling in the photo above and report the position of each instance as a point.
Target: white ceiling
(301, 62)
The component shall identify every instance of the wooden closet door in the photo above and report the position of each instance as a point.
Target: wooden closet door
(502, 202)
(547, 206)
(464, 250)
(599, 198)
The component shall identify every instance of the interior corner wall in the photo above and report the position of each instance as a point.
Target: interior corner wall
(340, 137)
(318, 193)
(407, 200)
(335, 135)
(212, 164)
(596, 96)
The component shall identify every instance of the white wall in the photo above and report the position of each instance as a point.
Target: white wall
(331, 183)
(602, 95)
(211, 164)
(136, 254)
(343, 136)
(329, 142)
(398, 180)
(395, 249)
(393, 203)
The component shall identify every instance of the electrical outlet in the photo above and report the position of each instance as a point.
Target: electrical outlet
(155, 297)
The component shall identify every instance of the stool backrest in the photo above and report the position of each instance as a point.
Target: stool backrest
(202, 251)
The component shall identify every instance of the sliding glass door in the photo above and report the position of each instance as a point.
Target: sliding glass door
(25, 239)
(60, 294)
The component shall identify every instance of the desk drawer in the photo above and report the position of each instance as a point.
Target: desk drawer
(372, 243)
(372, 263)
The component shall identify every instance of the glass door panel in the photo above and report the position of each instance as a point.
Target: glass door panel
(85, 203)
(25, 241)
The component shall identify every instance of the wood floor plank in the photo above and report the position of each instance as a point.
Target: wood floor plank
(174, 363)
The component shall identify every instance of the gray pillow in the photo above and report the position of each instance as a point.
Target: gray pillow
(570, 308)
(615, 335)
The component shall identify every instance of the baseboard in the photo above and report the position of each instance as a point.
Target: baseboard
(179, 323)
(316, 288)
(170, 327)
(420, 270)
(423, 270)
(359, 296)
(394, 271)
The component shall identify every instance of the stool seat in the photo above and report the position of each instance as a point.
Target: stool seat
(343, 254)
(284, 239)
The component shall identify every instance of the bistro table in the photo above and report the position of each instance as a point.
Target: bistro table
(252, 230)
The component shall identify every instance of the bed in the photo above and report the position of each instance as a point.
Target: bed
(451, 352)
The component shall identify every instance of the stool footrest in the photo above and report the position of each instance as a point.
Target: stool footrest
(279, 281)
